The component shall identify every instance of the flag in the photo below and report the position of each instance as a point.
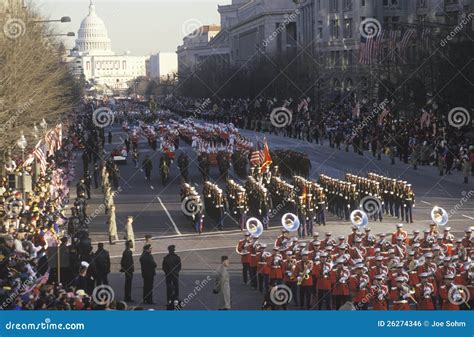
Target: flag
(256, 158)
(409, 33)
(40, 155)
(356, 110)
(303, 105)
(392, 44)
(59, 136)
(379, 46)
(267, 159)
(383, 115)
(425, 119)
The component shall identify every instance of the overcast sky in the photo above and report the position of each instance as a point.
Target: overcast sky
(140, 26)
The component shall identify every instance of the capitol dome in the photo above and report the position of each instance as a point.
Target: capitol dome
(93, 38)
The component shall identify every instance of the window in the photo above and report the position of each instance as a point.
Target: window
(335, 29)
(421, 3)
(385, 3)
(320, 29)
(348, 5)
(318, 5)
(362, 3)
(347, 28)
(333, 5)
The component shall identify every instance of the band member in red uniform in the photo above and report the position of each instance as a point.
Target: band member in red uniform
(305, 280)
(253, 263)
(425, 294)
(340, 278)
(281, 241)
(262, 268)
(353, 235)
(399, 232)
(323, 283)
(379, 293)
(359, 285)
(450, 294)
(275, 263)
(401, 294)
(243, 250)
(290, 275)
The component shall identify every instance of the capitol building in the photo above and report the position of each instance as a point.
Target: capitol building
(94, 60)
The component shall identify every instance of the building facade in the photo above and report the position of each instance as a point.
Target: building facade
(162, 65)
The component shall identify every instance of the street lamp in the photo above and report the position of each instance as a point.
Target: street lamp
(22, 143)
(63, 19)
(70, 34)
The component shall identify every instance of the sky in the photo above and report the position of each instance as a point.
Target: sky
(139, 26)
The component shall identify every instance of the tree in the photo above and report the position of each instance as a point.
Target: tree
(34, 84)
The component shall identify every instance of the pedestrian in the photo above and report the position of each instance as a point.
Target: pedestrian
(129, 234)
(147, 166)
(127, 267)
(440, 165)
(466, 168)
(222, 285)
(102, 263)
(96, 175)
(87, 184)
(112, 222)
(148, 266)
(136, 157)
(80, 188)
(172, 266)
(110, 137)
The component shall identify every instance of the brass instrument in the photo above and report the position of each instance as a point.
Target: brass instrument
(439, 216)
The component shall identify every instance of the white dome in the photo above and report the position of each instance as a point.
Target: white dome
(92, 37)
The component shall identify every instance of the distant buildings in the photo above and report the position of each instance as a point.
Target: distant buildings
(94, 60)
(327, 32)
(162, 64)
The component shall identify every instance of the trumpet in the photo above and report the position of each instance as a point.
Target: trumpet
(408, 293)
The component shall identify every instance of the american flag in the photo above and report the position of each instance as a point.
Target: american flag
(371, 48)
(267, 159)
(425, 38)
(59, 136)
(409, 33)
(392, 45)
(40, 155)
(257, 156)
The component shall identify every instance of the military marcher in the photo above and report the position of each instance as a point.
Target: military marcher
(102, 264)
(148, 266)
(112, 224)
(127, 267)
(129, 234)
(222, 285)
(147, 166)
(171, 267)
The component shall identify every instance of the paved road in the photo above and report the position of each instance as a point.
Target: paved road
(157, 211)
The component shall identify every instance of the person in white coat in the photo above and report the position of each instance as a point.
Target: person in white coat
(222, 285)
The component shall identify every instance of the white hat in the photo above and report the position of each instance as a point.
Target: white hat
(84, 264)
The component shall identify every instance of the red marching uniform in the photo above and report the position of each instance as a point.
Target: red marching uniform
(379, 294)
(424, 293)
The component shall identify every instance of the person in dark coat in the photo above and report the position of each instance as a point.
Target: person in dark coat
(127, 267)
(172, 266)
(81, 187)
(147, 166)
(102, 264)
(148, 265)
